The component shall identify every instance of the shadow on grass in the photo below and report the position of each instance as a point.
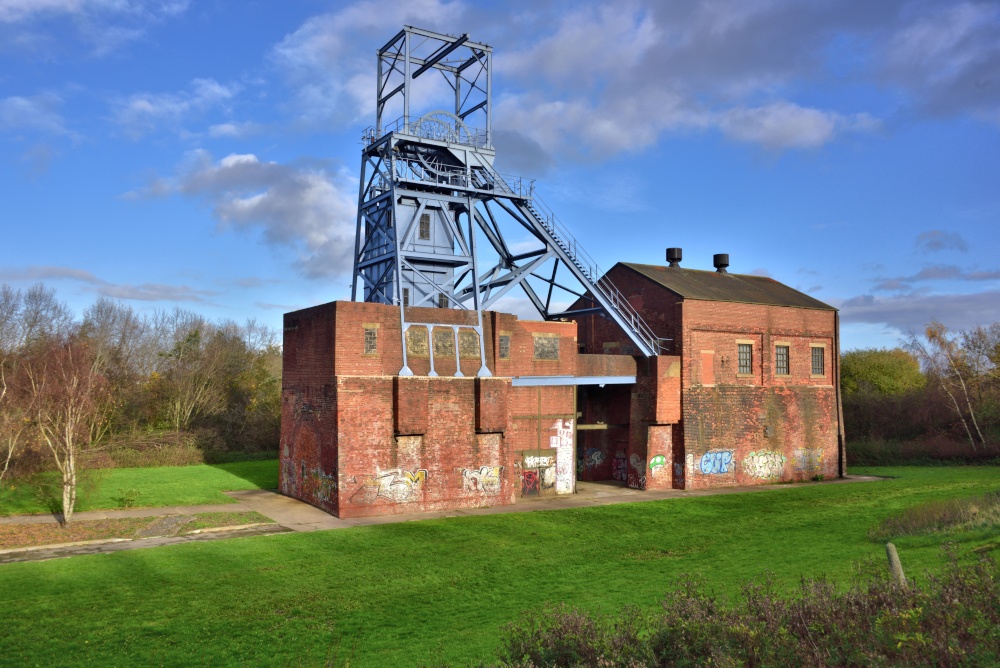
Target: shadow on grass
(48, 490)
(261, 473)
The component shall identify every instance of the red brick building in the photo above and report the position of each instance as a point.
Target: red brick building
(748, 395)
(759, 382)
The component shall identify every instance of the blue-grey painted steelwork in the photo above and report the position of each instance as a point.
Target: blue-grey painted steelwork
(560, 381)
(429, 190)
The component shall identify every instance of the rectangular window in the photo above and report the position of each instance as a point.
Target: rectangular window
(371, 340)
(781, 360)
(425, 227)
(818, 361)
(442, 300)
(406, 296)
(744, 353)
(505, 346)
(546, 346)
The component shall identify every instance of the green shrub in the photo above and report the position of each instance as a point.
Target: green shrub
(950, 620)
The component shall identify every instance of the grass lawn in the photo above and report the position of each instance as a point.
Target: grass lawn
(157, 486)
(439, 590)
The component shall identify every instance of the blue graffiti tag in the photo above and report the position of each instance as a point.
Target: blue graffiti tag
(716, 461)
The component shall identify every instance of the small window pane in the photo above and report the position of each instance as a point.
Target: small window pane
(371, 340)
(425, 227)
(442, 300)
(505, 346)
(781, 360)
(406, 296)
(818, 361)
(745, 358)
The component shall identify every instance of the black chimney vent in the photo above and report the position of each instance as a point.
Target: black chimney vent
(674, 257)
(721, 261)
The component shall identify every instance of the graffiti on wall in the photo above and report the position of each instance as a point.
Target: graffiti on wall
(808, 460)
(678, 474)
(619, 467)
(657, 464)
(594, 457)
(288, 477)
(636, 481)
(395, 486)
(325, 484)
(764, 464)
(716, 462)
(637, 463)
(535, 461)
(562, 441)
(483, 480)
(529, 483)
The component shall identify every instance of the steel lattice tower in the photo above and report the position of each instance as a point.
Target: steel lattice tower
(429, 192)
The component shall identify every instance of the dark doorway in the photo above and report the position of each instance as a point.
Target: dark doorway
(602, 432)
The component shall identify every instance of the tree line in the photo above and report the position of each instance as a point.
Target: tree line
(940, 388)
(72, 389)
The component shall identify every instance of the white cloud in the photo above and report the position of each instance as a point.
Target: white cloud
(615, 78)
(303, 208)
(143, 292)
(236, 130)
(103, 24)
(948, 59)
(32, 113)
(787, 125)
(938, 240)
(142, 113)
(12, 11)
(330, 60)
(914, 311)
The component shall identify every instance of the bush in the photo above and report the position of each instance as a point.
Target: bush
(950, 620)
(946, 515)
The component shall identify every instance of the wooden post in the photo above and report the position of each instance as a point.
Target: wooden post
(894, 565)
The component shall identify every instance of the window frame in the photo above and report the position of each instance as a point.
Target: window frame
(372, 329)
(424, 227)
(813, 347)
(500, 346)
(748, 347)
(778, 348)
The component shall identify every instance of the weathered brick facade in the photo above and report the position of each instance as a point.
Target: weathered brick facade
(358, 439)
(733, 428)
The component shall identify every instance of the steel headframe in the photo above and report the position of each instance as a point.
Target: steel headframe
(428, 189)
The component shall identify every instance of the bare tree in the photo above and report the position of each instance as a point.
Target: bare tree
(945, 360)
(14, 418)
(67, 391)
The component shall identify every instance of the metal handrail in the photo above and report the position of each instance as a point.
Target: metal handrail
(461, 135)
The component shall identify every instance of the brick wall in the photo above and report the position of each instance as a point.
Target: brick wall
(728, 428)
(359, 440)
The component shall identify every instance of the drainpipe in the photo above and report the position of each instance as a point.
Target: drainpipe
(841, 451)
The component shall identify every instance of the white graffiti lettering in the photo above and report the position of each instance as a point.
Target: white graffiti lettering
(532, 462)
(395, 486)
(563, 444)
(764, 464)
(484, 480)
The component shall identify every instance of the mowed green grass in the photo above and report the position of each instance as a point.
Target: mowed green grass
(158, 486)
(439, 590)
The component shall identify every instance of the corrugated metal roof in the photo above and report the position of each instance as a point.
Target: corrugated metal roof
(713, 286)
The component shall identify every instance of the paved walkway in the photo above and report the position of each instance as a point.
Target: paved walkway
(294, 515)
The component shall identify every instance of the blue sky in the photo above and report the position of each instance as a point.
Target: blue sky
(205, 154)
